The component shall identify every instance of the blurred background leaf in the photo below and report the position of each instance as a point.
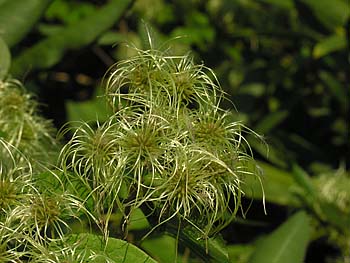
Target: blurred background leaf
(90, 110)
(80, 34)
(278, 186)
(288, 243)
(18, 17)
(5, 60)
(330, 44)
(332, 14)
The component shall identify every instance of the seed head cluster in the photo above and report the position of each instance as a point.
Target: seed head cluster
(168, 145)
(167, 149)
(35, 205)
(21, 125)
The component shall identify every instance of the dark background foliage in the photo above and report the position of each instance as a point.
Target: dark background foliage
(283, 63)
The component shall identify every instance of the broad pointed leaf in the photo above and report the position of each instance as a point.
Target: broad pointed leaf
(49, 51)
(18, 17)
(287, 4)
(5, 59)
(277, 186)
(330, 44)
(331, 14)
(114, 250)
(287, 243)
(270, 122)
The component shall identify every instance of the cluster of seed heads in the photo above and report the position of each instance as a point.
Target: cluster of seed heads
(21, 125)
(168, 148)
(168, 145)
(35, 205)
(333, 190)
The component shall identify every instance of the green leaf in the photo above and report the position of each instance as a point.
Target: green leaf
(304, 144)
(90, 110)
(82, 33)
(303, 180)
(253, 89)
(333, 215)
(162, 248)
(272, 154)
(114, 250)
(217, 249)
(48, 181)
(69, 12)
(18, 17)
(287, 4)
(198, 30)
(210, 249)
(49, 30)
(111, 38)
(138, 220)
(270, 121)
(331, 14)
(2, 134)
(335, 87)
(328, 45)
(55, 181)
(277, 185)
(240, 253)
(286, 244)
(5, 59)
